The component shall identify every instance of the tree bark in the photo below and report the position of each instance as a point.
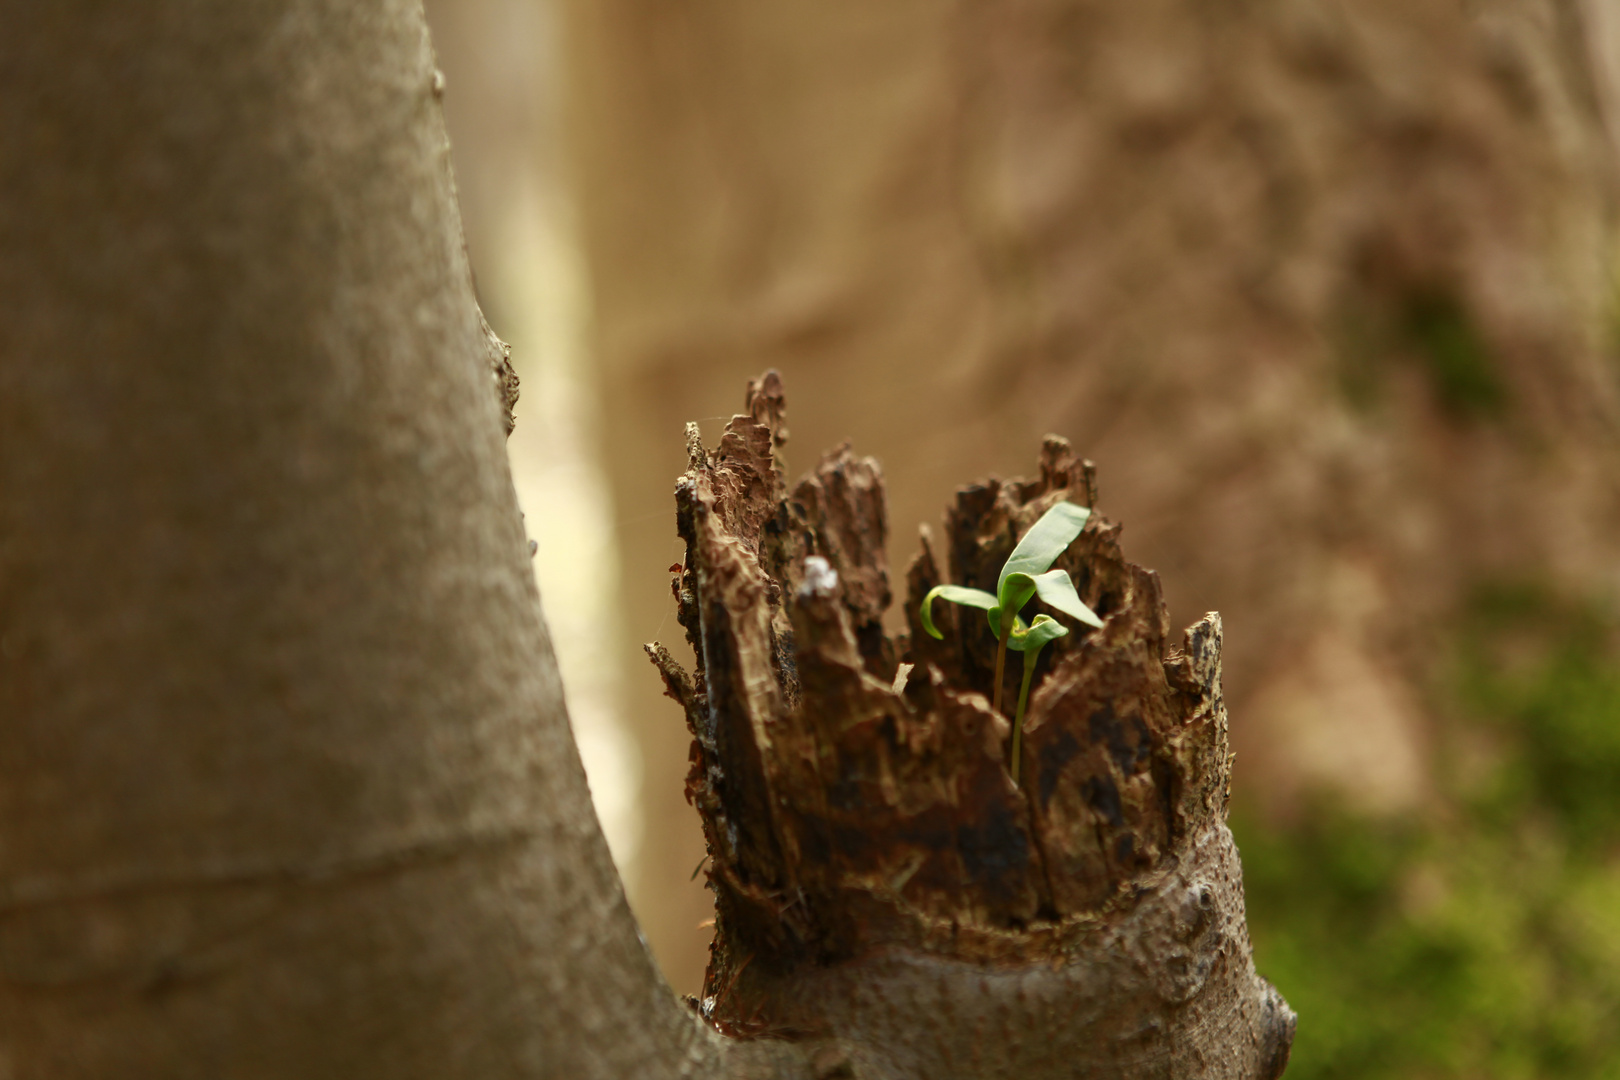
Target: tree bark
(1325, 288)
(286, 784)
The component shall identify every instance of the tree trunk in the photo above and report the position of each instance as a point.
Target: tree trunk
(286, 788)
(286, 785)
(1325, 288)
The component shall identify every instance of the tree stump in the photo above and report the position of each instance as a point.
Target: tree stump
(882, 886)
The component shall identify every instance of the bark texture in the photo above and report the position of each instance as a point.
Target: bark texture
(1324, 286)
(884, 889)
(286, 784)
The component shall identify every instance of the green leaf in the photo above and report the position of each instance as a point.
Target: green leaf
(1053, 587)
(956, 594)
(1042, 630)
(1014, 591)
(994, 615)
(1056, 590)
(1046, 540)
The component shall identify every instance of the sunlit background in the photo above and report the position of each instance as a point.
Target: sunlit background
(1326, 288)
(521, 232)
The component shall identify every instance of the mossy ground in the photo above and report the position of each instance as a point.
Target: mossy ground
(1483, 940)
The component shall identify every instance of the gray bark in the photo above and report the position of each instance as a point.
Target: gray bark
(286, 786)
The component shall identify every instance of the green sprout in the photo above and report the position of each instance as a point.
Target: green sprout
(1026, 574)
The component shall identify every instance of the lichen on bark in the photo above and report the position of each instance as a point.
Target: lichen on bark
(861, 818)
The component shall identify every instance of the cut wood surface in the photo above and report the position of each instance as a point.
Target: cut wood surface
(882, 884)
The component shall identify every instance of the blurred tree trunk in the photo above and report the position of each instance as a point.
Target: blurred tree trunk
(1325, 288)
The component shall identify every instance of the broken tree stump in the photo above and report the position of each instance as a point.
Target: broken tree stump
(882, 886)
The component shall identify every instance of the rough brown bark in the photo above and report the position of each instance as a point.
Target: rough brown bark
(885, 892)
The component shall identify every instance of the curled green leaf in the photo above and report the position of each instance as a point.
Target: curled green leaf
(994, 615)
(1043, 630)
(956, 594)
(1014, 591)
(1057, 590)
(1046, 540)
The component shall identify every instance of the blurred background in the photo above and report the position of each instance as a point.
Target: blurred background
(1326, 288)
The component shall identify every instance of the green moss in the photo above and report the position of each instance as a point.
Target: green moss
(1484, 942)
(1459, 364)
(1426, 327)
(1539, 675)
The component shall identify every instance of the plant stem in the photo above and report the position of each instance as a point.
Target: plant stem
(1018, 720)
(1001, 655)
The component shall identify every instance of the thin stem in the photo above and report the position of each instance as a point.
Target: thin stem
(1018, 720)
(1001, 656)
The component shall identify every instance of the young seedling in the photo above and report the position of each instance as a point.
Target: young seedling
(1026, 574)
